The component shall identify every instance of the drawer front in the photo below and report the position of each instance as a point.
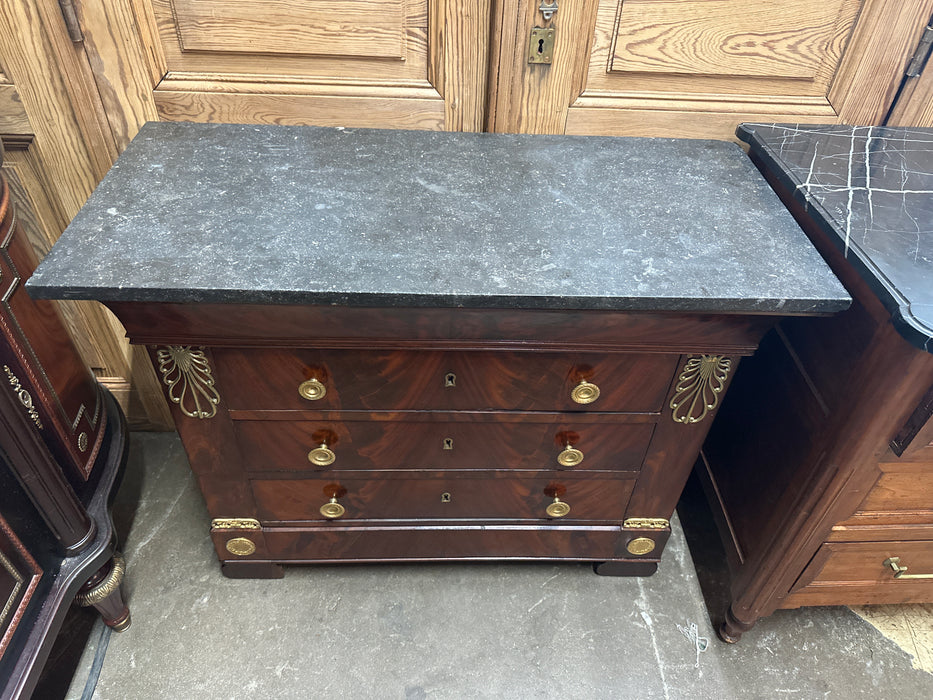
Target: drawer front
(442, 445)
(443, 496)
(465, 542)
(864, 563)
(410, 380)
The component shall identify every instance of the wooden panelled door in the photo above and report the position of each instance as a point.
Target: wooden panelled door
(696, 68)
(79, 77)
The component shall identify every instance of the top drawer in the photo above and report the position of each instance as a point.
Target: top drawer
(442, 381)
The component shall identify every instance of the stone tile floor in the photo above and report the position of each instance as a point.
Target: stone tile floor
(447, 631)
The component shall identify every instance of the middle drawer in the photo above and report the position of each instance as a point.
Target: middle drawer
(454, 443)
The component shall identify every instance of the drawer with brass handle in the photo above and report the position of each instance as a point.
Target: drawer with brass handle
(443, 495)
(312, 380)
(559, 443)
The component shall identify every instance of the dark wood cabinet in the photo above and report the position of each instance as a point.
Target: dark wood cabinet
(62, 444)
(819, 466)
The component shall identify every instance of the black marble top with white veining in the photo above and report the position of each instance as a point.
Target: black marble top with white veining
(871, 190)
(271, 214)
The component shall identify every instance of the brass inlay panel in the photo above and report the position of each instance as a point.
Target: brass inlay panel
(20, 580)
(187, 374)
(699, 387)
(235, 524)
(646, 524)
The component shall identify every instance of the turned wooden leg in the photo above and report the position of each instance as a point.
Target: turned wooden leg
(251, 569)
(732, 629)
(625, 568)
(102, 592)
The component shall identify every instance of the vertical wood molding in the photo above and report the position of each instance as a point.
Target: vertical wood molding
(459, 44)
(535, 98)
(116, 51)
(881, 46)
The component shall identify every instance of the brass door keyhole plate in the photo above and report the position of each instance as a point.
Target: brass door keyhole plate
(445, 497)
(448, 443)
(541, 45)
(450, 380)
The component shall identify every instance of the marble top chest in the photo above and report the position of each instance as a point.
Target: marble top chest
(391, 345)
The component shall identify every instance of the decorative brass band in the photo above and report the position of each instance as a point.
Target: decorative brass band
(900, 572)
(24, 396)
(646, 524)
(585, 392)
(570, 457)
(106, 587)
(640, 546)
(312, 389)
(558, 509)
(235, 524)
(241, 546)
(187, 374)
(699, 386)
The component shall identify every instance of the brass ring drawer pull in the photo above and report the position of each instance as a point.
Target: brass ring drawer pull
(899, 571)
(558, 509)
(585, 392)
(321, 456)
(312, 389)
(570, 456)
(332, 510)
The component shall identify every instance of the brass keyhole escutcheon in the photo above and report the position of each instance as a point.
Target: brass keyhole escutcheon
(448, 443)
(312, 389)
(450, 380)
(445, 497)
(584, 392)
(640, 545)
(321, 456)
(241, 546)
(332, 510)
(570, 456)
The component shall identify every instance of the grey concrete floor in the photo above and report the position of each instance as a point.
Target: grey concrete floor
(446, 631)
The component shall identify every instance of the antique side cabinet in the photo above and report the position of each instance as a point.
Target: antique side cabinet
(62, 444)
(828, 499)
(408, 346)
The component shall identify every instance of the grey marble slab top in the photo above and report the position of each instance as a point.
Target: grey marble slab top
(272, 214)
(870, 189)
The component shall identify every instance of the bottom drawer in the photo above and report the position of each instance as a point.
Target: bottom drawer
(416, 542)
(856, 573)
(444, 496)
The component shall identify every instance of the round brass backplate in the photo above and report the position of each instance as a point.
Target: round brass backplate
(312, 390)
(584, 392)
(640, 545)
(241, 546)
(332, 510)
(570, 457)
(558, 509)
(321, 456)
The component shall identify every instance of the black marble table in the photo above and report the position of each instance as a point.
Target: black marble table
(871, 189)
(264, 214)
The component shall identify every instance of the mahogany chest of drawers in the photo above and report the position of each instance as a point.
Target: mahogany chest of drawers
(405, 346)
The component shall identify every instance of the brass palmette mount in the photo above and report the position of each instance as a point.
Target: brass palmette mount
(187, 374)
(699, 387)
